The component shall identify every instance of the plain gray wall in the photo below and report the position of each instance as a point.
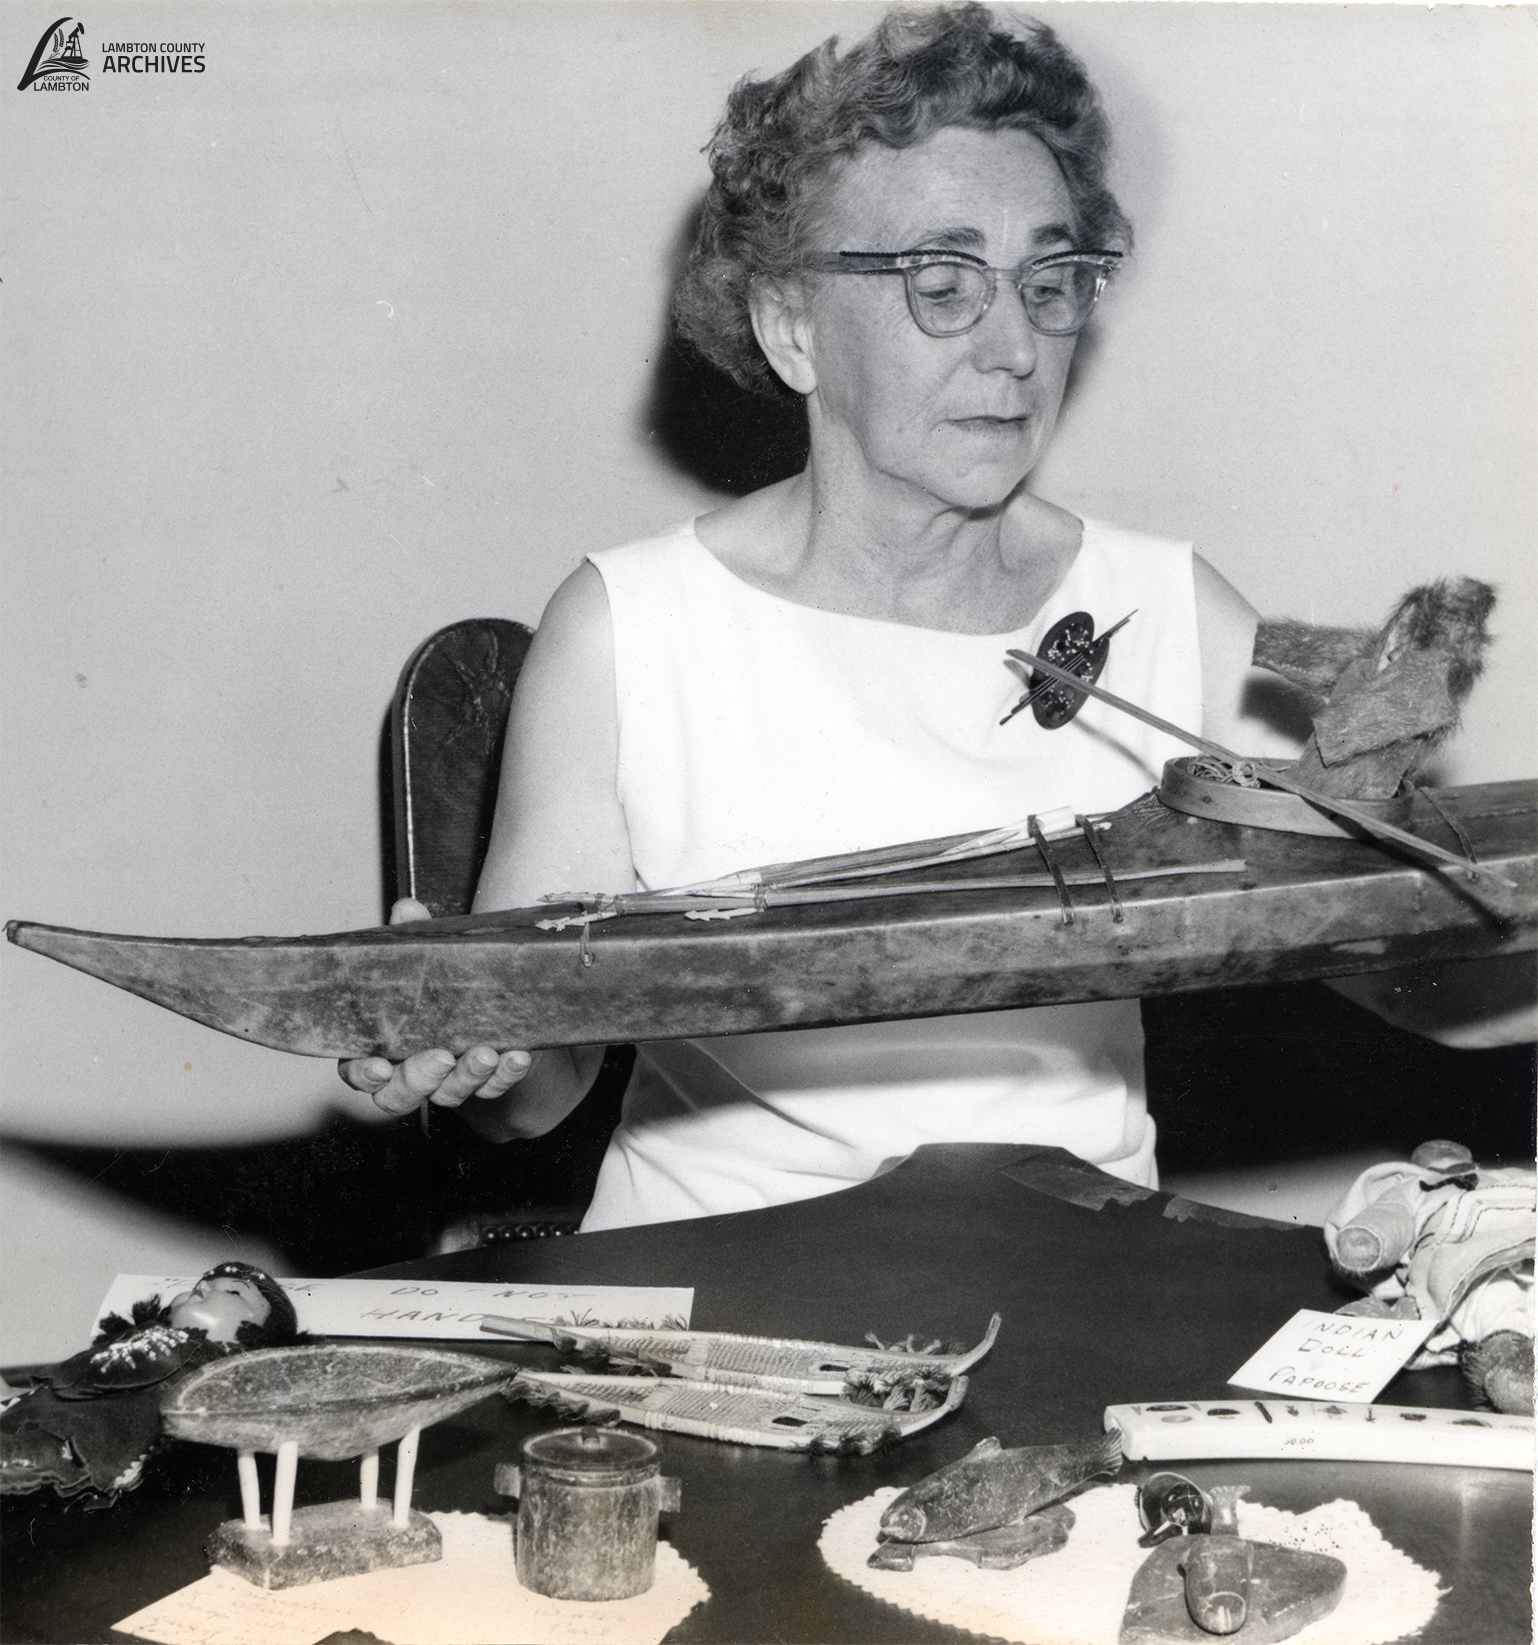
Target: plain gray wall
(354, 334)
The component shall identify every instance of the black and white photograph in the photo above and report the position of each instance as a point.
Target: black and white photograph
(770, 841)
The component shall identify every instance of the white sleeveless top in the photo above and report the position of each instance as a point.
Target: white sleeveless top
(753, 730)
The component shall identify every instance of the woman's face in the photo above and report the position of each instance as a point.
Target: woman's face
(220, 1304)
(963, 418)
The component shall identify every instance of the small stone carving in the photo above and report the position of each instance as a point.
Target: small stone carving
(993, 1506)
(1209, 1584)
(588, 1501)
(331, 1401)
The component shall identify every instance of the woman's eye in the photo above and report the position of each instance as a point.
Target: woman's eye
(938, 282)
(1044, 288)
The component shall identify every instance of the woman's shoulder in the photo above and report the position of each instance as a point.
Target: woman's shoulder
(634, 586)
(583, 605)
(1218, 602)
(680, 539)
(1104, 536)
(1116, 562)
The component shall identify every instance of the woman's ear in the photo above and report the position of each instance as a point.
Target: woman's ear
(782, 327)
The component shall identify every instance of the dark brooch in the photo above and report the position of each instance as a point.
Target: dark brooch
(1070, 643)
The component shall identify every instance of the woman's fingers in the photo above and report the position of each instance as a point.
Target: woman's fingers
(375, 1076)
(511, 1067)
(365, 1074)
(413, 1081)
(467, 1076)
(481, 1072)
(435, 1076)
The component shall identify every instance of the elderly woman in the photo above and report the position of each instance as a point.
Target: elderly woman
(909, 236)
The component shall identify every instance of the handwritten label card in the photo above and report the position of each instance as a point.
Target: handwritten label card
(450, 1310)
(1333, 1356)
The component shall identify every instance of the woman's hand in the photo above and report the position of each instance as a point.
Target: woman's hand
(433, 1076)
(558, 823)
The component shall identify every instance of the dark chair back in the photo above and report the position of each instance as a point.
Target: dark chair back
(447, 724)
(446, 727)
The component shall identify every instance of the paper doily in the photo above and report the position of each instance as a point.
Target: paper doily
(471, 1596)
(1077, 1596)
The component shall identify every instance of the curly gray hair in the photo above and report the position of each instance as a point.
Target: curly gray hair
(781, 142)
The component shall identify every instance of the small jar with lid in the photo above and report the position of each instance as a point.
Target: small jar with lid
(588, 1500)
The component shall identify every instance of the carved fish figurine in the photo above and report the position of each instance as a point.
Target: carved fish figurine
(990, 1486)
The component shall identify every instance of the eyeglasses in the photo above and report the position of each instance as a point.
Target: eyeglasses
(950, 291)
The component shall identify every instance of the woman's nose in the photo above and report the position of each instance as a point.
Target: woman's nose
(1005, 339)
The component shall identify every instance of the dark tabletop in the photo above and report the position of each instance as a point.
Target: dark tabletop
(1104, 1302)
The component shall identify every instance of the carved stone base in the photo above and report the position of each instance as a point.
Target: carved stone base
(327, 1540)
(1289, 1588)
(1001, 1549)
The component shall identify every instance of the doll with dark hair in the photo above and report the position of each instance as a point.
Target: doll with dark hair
(93, 1421)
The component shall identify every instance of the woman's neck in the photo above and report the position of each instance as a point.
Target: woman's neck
(896, 555)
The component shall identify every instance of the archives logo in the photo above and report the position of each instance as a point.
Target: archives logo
(58, 63)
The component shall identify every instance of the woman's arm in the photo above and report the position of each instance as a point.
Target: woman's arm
(1473, 1005)
(558, 827)
(1231, 684)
